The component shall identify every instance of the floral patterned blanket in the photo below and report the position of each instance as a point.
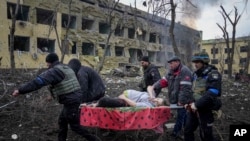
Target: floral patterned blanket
(124, 118)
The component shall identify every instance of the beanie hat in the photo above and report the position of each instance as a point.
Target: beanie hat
(145, 59)
(75, 65)
(175, 58)
(51, 58)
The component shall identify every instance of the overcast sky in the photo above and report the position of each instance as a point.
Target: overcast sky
(209, 15)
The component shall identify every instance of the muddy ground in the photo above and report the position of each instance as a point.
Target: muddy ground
(33, 117)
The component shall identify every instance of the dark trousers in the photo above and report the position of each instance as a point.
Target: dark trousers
(111, 102)
(203, 120)
(180, 121)
(70, 115)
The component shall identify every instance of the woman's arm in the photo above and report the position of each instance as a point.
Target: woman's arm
(151, 91)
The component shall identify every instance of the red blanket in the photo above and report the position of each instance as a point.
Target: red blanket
(124, 118)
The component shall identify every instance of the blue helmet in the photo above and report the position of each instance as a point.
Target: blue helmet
(202, 56)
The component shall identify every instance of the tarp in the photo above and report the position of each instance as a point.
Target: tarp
(124, 118)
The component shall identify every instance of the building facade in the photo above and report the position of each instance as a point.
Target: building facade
(43, 26)
(217, 50)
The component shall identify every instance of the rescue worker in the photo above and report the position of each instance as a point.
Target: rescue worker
(207, 90)
(66, 90)
(151, 75)
(91, 83)
(179, 83)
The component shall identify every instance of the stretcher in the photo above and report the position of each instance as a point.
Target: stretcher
(124, 118)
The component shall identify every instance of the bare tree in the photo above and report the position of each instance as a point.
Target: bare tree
(12, 35)
(221, 59)
(65, 43)
(234, 22)
(111, 21)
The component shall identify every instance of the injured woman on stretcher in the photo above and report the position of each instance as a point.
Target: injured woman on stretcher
(130, 98)
(132, 110)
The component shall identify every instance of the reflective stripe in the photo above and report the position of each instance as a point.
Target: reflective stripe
(214, 91)
(210, 124)
(186, 82)
(40, 81)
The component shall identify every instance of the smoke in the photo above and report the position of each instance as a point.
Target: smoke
(191, 10)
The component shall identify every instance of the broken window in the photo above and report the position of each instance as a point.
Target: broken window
(214, 50)
(104, 28)
(243, 60)
(88, 49)
(87, 24)
(142, 35)
(139, 54)
(133, 55)
(152, 38)
(119, 51)
(161, 58)
(44, 16)
(152, 56)
(21, 43)
(89, 1)
(65, 21)
(119, 31)
(22, 14)
(107, 53)
(131, 33)
(243, 48)
(46, 45)
(73, 51)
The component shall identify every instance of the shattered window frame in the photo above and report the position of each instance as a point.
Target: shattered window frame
(131, 33)
(22, 14)
(44, 16)
(46, 45)
(104, 28)
(88, 48)
(119, 51)
(87, 24)
(21, 43)
(64, 22)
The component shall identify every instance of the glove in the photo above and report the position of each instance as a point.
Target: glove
(193, 107)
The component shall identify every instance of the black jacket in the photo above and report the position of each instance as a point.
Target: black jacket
(150, 76)
(92, 85)
(213, 88)
(52, 77)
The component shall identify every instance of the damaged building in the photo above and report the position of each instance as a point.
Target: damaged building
(82, 27)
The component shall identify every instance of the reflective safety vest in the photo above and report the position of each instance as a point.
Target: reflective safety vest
(199, 87)
(67, 85)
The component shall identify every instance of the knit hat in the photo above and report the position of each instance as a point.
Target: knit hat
(145, 59)
(75, 65)
(51, 58)
(175, 58)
